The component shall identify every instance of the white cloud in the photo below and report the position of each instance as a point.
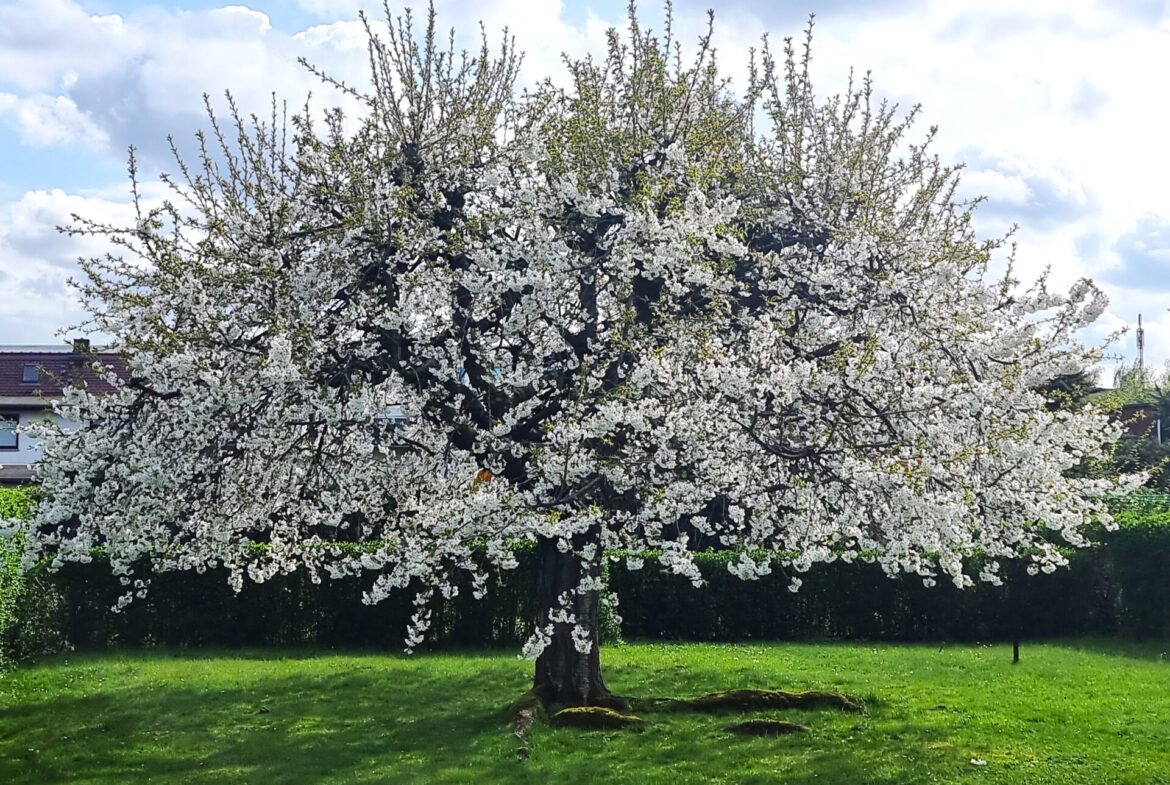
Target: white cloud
(1039, 195)
(1000, 188)
(43, 120)
(137, 78)
(42, 40)
(340, 36)
(338, 9)
(36, 260)
(255, 19)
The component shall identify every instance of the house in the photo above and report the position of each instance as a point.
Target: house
(31, 378)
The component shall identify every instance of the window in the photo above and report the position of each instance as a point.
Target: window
(31, 373)
(387, 425)
(8, 438)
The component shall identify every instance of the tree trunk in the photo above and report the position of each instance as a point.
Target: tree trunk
(565, 676)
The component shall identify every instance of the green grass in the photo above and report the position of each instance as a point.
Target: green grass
(1090, 712)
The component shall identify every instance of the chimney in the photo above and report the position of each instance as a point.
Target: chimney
(81, 346)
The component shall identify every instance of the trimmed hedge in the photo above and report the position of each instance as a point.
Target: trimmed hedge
(73, 609)
(15, 503)
(1137, 561)
(1120, 587)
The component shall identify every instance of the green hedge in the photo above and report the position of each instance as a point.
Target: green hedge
(15, 503)
(1137, 561)
(72, 609)
(1120, 587)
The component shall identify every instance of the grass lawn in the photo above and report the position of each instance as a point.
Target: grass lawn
(1092, 712)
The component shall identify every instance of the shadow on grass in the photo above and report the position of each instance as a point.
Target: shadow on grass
(264, 729)
(1148, 650)
(366, 720)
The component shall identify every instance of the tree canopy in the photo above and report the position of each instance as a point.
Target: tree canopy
(617, 314)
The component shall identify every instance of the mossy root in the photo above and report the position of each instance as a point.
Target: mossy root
(594, 718)
(758, 700)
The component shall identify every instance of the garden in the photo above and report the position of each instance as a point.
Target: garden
(294, 682)
(709, 404)
(1088, 711)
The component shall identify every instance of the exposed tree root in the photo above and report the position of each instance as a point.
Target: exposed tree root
(524, 710)
(594, 718)
(766, 728)
(618, 703)
(755, 700)
(522, 713)
(613, 711)
(609, 711)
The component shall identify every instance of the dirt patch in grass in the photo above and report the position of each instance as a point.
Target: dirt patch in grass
(766, 728)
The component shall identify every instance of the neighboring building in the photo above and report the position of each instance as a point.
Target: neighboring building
(31, 378)
(1140, 420)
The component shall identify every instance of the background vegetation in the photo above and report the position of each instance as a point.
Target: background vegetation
(1118, 587)
(15, 503)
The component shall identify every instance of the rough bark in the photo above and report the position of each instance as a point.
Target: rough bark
(565, 676)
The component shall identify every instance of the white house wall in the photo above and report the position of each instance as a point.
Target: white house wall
(29, 449)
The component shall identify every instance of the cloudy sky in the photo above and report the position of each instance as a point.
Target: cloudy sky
(1056, 107)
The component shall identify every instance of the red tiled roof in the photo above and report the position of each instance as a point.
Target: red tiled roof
(56, 370)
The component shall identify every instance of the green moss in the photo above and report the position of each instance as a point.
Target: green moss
(760, 700)
(594, 718)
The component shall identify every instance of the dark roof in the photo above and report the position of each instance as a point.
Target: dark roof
(15, 473)
(56, 369)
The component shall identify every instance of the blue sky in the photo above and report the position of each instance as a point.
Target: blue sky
(1056, 107)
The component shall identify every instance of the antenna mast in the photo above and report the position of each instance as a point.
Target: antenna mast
(1141, 345)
